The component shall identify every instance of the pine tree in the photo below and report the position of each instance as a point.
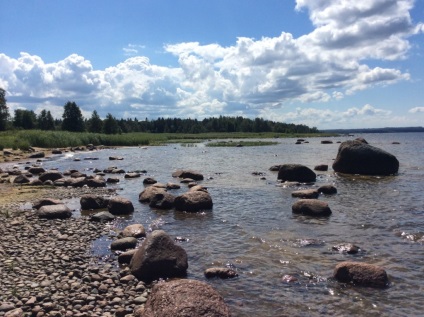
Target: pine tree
(4, 110)
(72, 118)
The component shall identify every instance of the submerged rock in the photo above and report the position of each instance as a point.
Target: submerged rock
(188, 174)
(221, 272)
(311, 207)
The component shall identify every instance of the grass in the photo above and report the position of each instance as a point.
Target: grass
(23, 139)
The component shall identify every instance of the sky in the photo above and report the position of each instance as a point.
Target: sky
(324, 63)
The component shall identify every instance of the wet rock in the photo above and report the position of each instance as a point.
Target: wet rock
(46, 202)
(172, 186)
(115, 158)
(159, 257)
(112, 180)
(162, 200)
(321, 167)
(362, 140)
(198, 188)
(289, 279)
(348, 248)
(125, 257)
(132, 175)
(361, 274)
(120, 206)
(54, 212)
(356, 157)
(327, 190)
(51, 175)
(188, 174)
(36, 170)
(93, 202)
(21, 179)
(118, 171)
(187, 181)
(297, 173)
(147, 194)
(193, 201)
(149, 181)
(37, 155)
(306, 193)
(124, 244)
(326, 142)
(134, 230)
(185, 298)
(78, 174)
(96, 182)
(103, 216)
(311, 207)
(221, 272)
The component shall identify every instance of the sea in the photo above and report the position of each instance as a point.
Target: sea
(252, 229)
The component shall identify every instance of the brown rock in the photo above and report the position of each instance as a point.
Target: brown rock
(135, 230)
(311, 207)
(54, 212)
(361, 274)
(193, 201)
(306, 193)
(221, 272)
(120, 206)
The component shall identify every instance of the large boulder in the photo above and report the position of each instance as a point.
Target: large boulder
(54, 212)
(163, 200)
(193, 201)
(185, 297)
(91, 201)
(361, 274)
(159, 257)
(51, 175)
(147, 195)
(296, 173)
(356, 157)
(311, 207)
(188, 174)
(120, 206)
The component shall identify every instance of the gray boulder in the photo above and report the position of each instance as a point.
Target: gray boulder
(193, 201)
(356, 157)
(311, 207)
(361, 274)
(185, 297)
(296, 173)
(159, 257)
(54, 212)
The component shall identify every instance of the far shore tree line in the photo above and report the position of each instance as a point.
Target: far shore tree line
(73, 121)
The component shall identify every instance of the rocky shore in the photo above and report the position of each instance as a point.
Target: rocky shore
(47, 267)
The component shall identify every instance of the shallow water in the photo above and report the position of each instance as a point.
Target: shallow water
(252, 228)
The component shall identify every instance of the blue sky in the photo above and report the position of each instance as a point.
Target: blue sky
(324, 63)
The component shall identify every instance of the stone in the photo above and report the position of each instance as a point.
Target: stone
(172, 186)
(311, 207)
(21, 179)
(348, 248)
(163, 200)
(306, 193)
(361, 274)
(36, 170)
(120, 206)
(124, 244)
(221, 272)
(326, 142)
(132, 175)
(37, 155)
(54, 212)
(112, 180)
(185, 297)
(103, 216)
(125, 257)
(147, 194)
(149, 181)
(17, 312)
(198, 188)
(296, 173)
(51, 175)
(135, 230)
(193, 201)
(356, 157)
(188, 174)
(46, 202)
(91, 201)
(327, 190)
(275, 168)
(321, 167)
(159, 257)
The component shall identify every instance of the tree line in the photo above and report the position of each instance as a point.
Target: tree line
(73, 120)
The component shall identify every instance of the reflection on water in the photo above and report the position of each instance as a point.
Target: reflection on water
(252, 228)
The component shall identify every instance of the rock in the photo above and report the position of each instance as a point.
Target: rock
(187, 181)
(125, 257)
(114, 158)
(326, 142)
(124, 244)
(91, 201)
(221, 272)
(17, 312)
(198, 188)
(46, 202)
(6, 307)
(159, 257)
(162, 200)
(306, 193)
(96, 182)
(185, 298)
(118, 171)
(297, 173)
(172, 186)
(36, 170)
(54, 212)
(120, 206)
(188, 174)
(103, 216)
(78, 174)
(149, 181)
(52, 175)
(147, 194)
(56, 151)
(134, 230)
(21, 179)
(321, 167)
(76, 182)
(361, 274)
(112, 180)
(348, 248)
(275, 168)
(362, 140)
(356, 157)
(327, 190)
(132, 175)
(37, 155)
(311, 207)
(193, 201)
(289, 279)
(35, 182)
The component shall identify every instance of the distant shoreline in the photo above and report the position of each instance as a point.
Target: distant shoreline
(375, 130)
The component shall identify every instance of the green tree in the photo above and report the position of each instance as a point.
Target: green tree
(25, 119)
(4, 110)
(72, 118)
(110, 125)
(95, 124)
(45, 120)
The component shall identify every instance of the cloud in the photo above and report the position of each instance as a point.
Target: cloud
(252, 77)
(416, 110)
